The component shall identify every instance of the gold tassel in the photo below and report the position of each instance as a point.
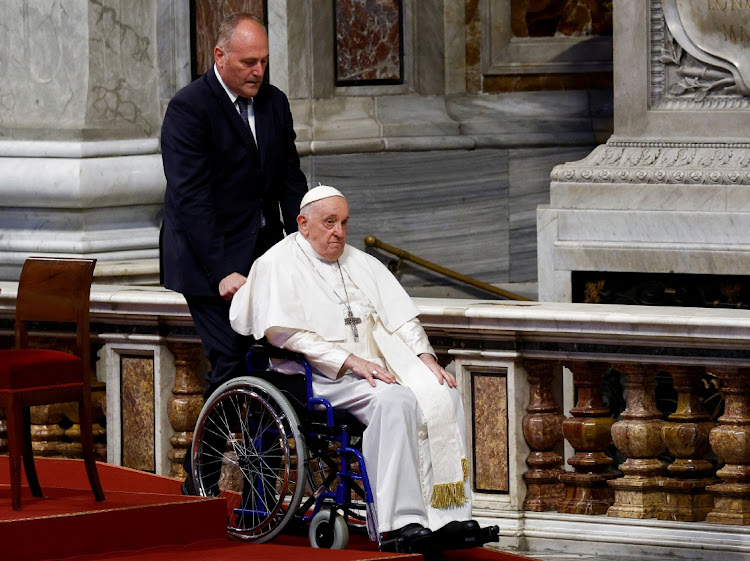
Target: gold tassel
(446, 495)
(465, 467)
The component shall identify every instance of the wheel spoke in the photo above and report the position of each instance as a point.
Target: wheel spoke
(243, 449)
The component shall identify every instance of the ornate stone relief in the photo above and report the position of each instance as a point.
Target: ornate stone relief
(699, 54)
(692, 164)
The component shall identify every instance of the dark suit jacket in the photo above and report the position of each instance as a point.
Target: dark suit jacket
(218, 182)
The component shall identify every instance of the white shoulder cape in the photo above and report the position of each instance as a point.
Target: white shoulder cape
(283, 290)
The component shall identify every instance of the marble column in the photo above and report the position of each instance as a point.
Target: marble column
(589, 433)
(686, 436)
(542, 429)
(80, 111)
(731, 443)
(638, 437)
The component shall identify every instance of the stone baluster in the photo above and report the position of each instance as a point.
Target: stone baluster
(46, 432)
(186, 401)
(638, 436)
(588, 432)
(730, 440)
(542, 429)
(686, 436)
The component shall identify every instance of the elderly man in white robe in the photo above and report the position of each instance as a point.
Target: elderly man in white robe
(341, 308)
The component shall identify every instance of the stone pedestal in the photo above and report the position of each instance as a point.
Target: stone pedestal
(669, 191)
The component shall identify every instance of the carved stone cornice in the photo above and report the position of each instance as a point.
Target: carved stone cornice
(660, 163)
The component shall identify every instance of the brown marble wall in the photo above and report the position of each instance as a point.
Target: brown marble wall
(137, 403)
(208, 15)
(490, 404)
(574, 18)
(539, 18)
(368, 41)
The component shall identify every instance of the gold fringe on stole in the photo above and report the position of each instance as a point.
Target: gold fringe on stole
(448, 494)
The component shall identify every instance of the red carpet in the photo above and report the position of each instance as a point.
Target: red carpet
(145, 518)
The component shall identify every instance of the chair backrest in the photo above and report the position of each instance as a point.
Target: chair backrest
(55, 290)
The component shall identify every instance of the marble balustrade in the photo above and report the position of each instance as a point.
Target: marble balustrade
(573, 442)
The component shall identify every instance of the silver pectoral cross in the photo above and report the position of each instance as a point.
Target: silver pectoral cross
(352, 321)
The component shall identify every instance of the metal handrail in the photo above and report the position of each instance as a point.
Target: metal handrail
(372, 241)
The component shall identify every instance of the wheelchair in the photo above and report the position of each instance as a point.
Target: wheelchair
(281, 456)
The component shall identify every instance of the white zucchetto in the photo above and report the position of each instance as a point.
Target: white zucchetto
(319, 192)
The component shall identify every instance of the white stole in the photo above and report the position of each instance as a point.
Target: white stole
(449, 465)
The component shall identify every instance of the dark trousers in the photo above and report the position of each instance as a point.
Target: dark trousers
(223, 346)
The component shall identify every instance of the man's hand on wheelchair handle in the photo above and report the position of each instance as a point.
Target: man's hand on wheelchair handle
(230, 284)
(368, 370)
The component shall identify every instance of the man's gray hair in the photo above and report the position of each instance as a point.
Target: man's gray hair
(229, 24)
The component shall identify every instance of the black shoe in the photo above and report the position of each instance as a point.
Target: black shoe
(457, 533)
(411, 538)
(187, 487)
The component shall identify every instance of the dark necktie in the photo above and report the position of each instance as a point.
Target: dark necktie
(242, 104)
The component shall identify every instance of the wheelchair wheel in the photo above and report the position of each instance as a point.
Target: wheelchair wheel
(324, 534)
(248, 449)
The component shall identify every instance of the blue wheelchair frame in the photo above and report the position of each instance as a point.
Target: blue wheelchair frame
(326, 431)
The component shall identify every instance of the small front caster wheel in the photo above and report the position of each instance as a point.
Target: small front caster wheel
(326, 534)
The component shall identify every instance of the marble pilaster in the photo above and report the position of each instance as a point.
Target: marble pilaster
(140, 374)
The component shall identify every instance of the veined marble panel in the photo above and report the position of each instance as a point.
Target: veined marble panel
(137, 410)
(368, 41)
(490, 431)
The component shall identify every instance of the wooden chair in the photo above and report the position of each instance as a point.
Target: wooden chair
(50, 290)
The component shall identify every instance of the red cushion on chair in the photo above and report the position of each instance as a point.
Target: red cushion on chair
(35, 368)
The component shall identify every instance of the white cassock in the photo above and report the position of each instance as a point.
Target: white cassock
(299, 301)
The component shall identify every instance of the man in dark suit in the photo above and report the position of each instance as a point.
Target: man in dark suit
(234, 186)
